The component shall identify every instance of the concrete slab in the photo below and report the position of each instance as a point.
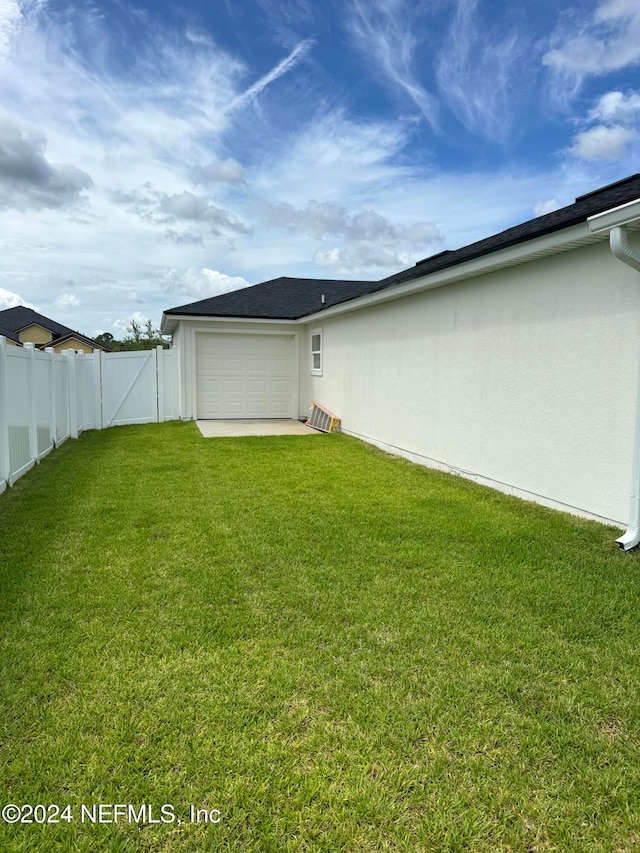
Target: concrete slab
(213, 429)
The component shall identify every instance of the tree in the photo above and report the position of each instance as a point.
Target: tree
(106, 339)
(137, 337)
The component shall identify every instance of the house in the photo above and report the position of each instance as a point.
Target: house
(512, 361)
(22, 325)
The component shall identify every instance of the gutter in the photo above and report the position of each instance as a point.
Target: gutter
(617, 221)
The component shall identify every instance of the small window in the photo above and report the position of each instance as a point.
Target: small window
(316, 352)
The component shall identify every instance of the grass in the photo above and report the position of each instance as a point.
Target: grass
(338, 650)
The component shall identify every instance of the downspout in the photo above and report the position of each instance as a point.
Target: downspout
(631, 537)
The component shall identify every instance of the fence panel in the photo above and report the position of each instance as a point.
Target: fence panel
(168, 380)
(47, 397)
(18, 418)
(43, 402)
(62, 423)
(129, 388)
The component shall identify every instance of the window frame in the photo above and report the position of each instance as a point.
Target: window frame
(315, 371)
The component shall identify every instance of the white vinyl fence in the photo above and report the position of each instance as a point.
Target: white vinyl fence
(47, 397)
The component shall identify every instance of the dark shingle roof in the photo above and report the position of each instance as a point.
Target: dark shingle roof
(279, 299)
(291, 298)
(12, 320)
(584, 206)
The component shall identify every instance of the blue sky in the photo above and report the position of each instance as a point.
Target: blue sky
(152, 154)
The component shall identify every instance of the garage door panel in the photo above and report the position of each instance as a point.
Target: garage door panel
(215, 409)
(241, 375)
(281, 410)
(232, 410)
(233, 365)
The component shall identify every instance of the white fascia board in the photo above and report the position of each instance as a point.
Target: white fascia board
(625, 214)
(168, 324)
(540, 247)
(170, 321)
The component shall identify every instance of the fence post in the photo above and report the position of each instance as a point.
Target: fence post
(160, 382)
(53, 437)
(5, 458)
(97, 385)
(103, 374)
(72, 387)
(31, 393)
(81, 389)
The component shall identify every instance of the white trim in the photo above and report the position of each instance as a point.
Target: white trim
(294, 334)
(624, 214)
(174, 319)
(315, 371)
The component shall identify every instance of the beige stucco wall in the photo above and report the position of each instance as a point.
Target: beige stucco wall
(72, 343)
(35, 334)
(525, 378)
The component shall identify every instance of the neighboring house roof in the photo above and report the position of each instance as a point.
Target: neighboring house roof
(14, 320)
(293, 298)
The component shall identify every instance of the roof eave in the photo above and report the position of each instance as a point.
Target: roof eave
(170, 322)
(553, 243)
(35, 323)
(81, 338)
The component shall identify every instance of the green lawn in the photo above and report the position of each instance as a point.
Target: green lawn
(336, 649)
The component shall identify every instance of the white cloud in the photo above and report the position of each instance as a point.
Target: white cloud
(160, 208)
(363, 256)
(324, 219)
(27, 178)
(186, 206)
(10, 17)
(200, 284)
(383, 33)
(542, 207)
(281, 68)
(291, 12)
(115, 292)
(616, 107)
(371, 240)
(67, 300)
(482, 71)
(8, 299)
(602, 143)
(227, 171)
(609, 41)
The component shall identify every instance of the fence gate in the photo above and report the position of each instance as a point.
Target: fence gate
(130, 388)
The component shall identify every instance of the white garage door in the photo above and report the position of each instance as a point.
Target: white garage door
(244, 376)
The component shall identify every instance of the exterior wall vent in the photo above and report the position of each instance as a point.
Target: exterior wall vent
(322, 419)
